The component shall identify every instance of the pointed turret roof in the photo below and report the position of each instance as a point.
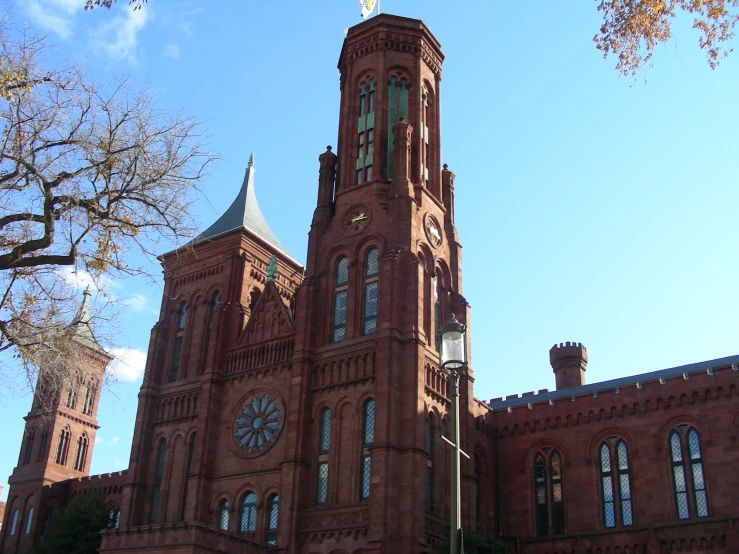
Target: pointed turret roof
(80, 329)
(244, 213)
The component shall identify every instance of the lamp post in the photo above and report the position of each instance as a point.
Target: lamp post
(453, 363)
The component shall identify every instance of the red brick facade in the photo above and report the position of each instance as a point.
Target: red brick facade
(301, 410)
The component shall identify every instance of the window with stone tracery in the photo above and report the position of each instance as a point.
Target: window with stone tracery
(397, 103)
(62, 447)
(368, 439)
(215, 300)
(615, 481)
(548, 493)
(688, 478)
(248, 514)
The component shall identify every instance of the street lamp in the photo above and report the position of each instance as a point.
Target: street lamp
(453, 363)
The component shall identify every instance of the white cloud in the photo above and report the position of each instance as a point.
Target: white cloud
(128, 364)
(117, 463)
(81, 279)
(119, 36)
(137, 303)
(114, 440)
(55, 15)
(172, 51)
(98, 439)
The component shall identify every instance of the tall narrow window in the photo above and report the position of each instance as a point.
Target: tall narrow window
(214, 302)
(606, 479)
(430, 463)
(29, 522)
(29, 446)
(613, 456)
(624, 484)
(437, 311)
(90, 392)
(48, 520)
(548, 493)
(223, 515)
(14, 522)
(340, 299)
(71, 401)
(273, 512)
(371, 275)
(324, 445)
(540, 493)
(248, 518)
(368, 439)
(80, 455)
(62, 448)
(188, 472)
(42, 444)
(695, 504)
(425, 137)
(365, 131)
(158, 473)
(397, 108)
(114, 517)
(478, 487)
(179, 338)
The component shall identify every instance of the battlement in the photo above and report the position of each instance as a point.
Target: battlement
(568, 360)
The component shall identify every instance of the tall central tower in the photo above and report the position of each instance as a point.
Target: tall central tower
(382, 274)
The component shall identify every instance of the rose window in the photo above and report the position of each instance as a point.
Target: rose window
(258, 423)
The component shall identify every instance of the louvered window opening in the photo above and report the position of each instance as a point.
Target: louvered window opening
(174, 367)
(365, 131)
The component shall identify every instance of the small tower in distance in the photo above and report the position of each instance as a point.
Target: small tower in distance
(568, 361)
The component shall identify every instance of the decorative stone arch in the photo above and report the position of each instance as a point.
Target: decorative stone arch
(528, 458)
(339, 406)
(597, 440)
(667, 428)
(367, 395)
(249, 486)
(370, 241)
(217, 499)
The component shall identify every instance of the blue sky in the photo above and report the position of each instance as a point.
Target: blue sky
(591, 207)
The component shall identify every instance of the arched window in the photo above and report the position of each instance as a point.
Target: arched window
(273, 512)
(62, 448)
(248, 519)
(223, 515)
(324, 445)
(80, 455)
(14, 522)
(42, 444)
(188, 472)
(397, 108)
(691, 496)
(72, 388)
(29, 521)
(114, 517)
(368, 439)
(174, 368)
(29, 445)
(214, 302)
(430, 463)
(365, 130)
(425, 136)
(615, 481)
(48, 520)
(371, 276)
(157, 488)
(478, 486)
(90, 392)
(437, 311)
(548, 493)
(340, 299)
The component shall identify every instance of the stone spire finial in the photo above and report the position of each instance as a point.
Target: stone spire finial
(251, 160)
(272, 268)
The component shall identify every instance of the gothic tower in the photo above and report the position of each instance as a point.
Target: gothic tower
(59, 435)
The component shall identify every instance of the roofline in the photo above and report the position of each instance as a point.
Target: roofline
(266, 245)
(572, 392)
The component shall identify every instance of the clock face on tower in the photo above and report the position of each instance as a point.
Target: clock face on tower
(355, 220)
(433, 230)
(257, 423)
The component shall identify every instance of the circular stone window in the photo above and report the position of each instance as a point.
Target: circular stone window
(257, 423)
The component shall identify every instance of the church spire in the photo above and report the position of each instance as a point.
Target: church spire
(80, 328)
(244, 213)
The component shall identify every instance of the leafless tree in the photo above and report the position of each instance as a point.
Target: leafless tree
(90, 175)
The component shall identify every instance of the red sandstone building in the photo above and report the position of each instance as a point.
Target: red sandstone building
(300, 410)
